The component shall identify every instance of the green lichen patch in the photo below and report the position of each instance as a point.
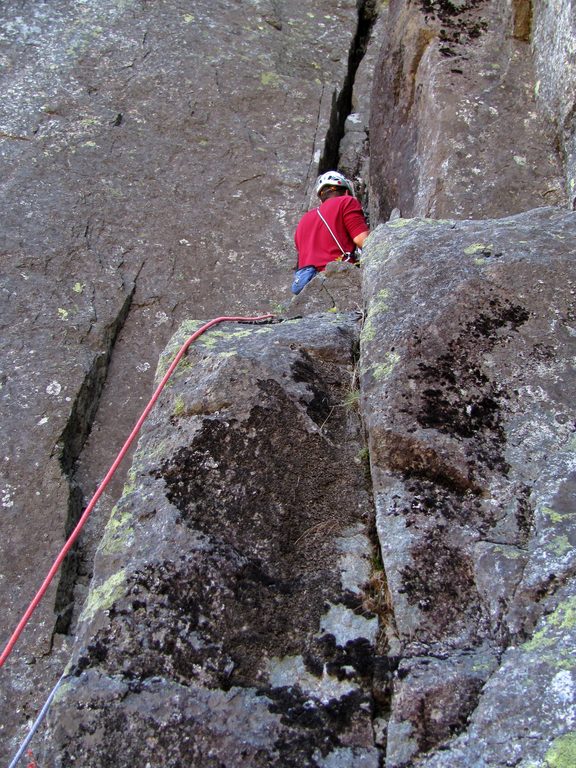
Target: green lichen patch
(416, 222)
(560, 545)
(399, 223)
(380, 301)
(118, 532)
(63, 690)
(510, 552)
(270, 78)
(556, 517)
(103, 597)
(179, 407)
(474, 248)
(378, 305)
(213, 337)
(130, 484)
(368, 332)
(155, 452)
(561, 620)
(384, 370)
(562, 753)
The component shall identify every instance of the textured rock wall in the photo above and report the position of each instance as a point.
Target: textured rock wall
(238, 584)
(154, 160)
(228, 622)
(468, 398)
(455, 129)
(554, 46)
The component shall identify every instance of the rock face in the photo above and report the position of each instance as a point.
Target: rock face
(468, 398)
(227, 622)
(446, 138)
(155, 158)
(236, 590)
(554, 45)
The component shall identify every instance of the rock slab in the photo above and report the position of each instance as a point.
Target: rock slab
(468, 395)
(456, 129)
(227, 622)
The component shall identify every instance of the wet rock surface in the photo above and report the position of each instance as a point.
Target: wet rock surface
(230, 583)
(468, 401)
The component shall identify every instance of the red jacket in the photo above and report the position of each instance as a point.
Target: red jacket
(315, 244)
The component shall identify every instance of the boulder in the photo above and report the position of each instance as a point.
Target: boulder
(468, 401)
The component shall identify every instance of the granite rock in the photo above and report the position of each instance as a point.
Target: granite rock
(446, 139)
(228, 618)
(468, 402)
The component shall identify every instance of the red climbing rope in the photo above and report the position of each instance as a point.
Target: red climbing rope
(76, 532)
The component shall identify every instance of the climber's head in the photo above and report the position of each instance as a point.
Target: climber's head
(333, 183)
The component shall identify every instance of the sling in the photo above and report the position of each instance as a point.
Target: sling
(345, 256)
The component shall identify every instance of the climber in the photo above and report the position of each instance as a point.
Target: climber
(330, 232)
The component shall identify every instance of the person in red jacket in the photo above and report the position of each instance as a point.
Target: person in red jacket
(330, 232)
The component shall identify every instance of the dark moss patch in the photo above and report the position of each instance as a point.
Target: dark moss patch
(455, 695)
(459, 23)
(318, 407)
(524, 513)
(457, 395)
(141, 738)
(433, 500)
(268, 495)
(441, 583)
(313, 725)
(210, 618)
(355, 659)
(264, 485)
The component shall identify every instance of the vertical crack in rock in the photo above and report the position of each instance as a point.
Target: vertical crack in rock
(71, 443)
(342, 102)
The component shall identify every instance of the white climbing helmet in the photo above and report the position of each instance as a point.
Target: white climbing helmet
(333, 179)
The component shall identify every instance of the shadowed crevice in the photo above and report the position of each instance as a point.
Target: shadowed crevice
(342, 101)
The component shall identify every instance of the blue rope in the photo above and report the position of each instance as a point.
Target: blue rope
(36, 725)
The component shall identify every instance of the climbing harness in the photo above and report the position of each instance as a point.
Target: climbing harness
(345, 255)
(76, 532)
